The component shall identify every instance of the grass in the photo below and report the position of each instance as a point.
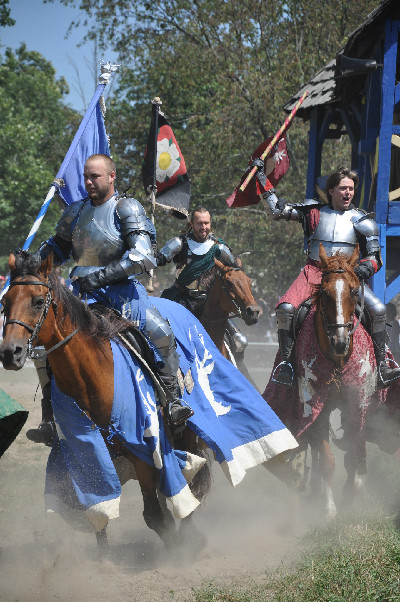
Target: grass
(356, 560)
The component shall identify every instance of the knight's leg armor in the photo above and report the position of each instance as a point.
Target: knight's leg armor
(239, 340)
(160, 334)
(284, 373)
(377, 312)
(46, 430)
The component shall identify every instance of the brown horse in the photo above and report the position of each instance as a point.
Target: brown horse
(332, 372)
(229, 295)
(335, 301)
(40, 311)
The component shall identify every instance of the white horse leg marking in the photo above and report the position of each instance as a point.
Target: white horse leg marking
(330, 508)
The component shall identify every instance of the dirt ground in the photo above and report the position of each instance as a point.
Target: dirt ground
(42, 560)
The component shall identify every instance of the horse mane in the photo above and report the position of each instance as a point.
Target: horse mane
(333, 263)
(99, 324)
(206, 279)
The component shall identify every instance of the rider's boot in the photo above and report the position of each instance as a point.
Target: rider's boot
(160, 333)
(238, 339)
(46, 431)
(386, 374)
(284, 373)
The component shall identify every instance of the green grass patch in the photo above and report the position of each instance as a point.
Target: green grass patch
(356, 560)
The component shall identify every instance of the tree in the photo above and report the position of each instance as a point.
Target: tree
(36, 131)
(224, 69)
(5, 19)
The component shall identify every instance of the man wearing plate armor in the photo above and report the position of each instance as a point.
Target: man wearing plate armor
(339, 226)
(111, 241)
(194, 251)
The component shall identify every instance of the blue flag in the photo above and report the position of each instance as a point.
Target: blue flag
(90, 139)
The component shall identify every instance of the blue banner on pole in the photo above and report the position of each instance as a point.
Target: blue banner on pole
(90, 139)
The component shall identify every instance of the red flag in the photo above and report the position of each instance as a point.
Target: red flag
(275, 167)
(172, 179)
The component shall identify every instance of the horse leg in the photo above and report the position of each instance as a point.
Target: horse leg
(327, 467)
(315, 478)
(102, 543)
(354, 459)
(152, 512)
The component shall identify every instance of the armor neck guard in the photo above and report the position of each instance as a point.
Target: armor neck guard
(200, 248)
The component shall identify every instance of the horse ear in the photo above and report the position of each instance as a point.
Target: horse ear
(11, 262)
(322, 253)
(355, 256)
(47, 265)
(238, 262)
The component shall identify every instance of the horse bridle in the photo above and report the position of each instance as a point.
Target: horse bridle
(35, 330)
(239, 313)
(328, 326)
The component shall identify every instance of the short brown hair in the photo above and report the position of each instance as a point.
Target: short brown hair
(335, 178)
(107, 160)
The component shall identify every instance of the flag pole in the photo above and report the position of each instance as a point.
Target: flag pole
(156, 103)
(278, 134)
(106, 69)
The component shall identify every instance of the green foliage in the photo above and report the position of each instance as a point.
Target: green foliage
(36, 131)
(5, 19)
(353, 561)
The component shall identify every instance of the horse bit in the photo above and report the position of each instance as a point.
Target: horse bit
(328, 326)
(35, 330)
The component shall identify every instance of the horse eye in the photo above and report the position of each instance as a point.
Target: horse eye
(38, 303)
(354, 292)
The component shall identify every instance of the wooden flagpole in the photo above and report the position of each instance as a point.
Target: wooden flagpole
(156, 102)
(278, 134)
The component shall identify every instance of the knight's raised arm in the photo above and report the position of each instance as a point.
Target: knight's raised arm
(281, 209)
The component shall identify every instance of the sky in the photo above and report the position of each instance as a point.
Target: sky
(43, 28)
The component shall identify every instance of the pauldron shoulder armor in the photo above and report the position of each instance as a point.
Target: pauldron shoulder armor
(368, 230)
(132, 215)
(71, 212)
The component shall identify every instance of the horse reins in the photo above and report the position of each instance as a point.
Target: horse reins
(330, 325)
(35, 330)
(239, 313)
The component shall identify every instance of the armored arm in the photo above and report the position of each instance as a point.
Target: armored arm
(368, 238)
(279, 208)
(61, 242)
(226, 255)
(169, 250)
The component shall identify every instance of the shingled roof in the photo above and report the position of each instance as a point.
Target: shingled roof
(324, 87)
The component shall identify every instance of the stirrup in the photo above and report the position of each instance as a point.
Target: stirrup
(275, 379)
(182, 412)
(382, 383)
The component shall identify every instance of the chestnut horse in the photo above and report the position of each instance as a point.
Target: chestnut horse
(39, 310)
(228, 296)
(335, 323)
(332, 372)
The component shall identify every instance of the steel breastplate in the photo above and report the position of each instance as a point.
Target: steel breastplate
(95, 239)
(335, 231)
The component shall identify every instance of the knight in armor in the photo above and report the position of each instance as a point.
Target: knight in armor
(111, 240)
(339, 226)
(193, 253)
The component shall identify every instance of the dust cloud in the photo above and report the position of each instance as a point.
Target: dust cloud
(249, 530)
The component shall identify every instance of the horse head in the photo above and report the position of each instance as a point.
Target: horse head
(235, 292)
(25, 306)
(336, 300)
